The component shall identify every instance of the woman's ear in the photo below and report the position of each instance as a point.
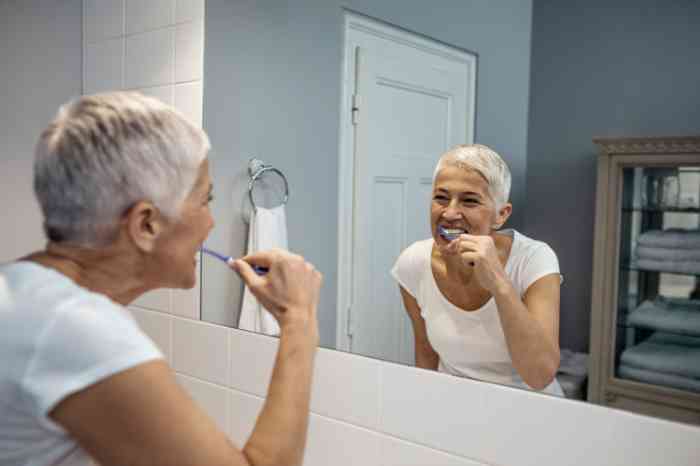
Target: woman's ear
(502, 215)
(144, 224)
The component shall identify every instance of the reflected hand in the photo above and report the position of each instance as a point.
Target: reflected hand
(480, 253)
(289, 290)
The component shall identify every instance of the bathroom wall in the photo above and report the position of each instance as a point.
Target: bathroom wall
(371, 413)
(157, 48)
(40, 56)
(599, 68)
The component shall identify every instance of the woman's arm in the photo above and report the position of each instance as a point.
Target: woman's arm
(531, 324)
(531, 328)
(141, 416)
(426, 357)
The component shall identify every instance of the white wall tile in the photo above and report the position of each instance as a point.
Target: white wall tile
(437, 410)
(186, 303)
(214, 399)
(149, 59)
(162, 93)
(642, 440)
(244, 412)
(252, 359)
(189, 10)
(104, 66)
(188, 99)
(157, 300)
(189, 51)
(346, 387)
(201, 350)
(158, 327)
(340, 444)
(102, 19)
(146, 15)
(397, 452)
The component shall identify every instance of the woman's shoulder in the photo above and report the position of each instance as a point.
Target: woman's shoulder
(34, 293)
(418, 251)
(525, 246)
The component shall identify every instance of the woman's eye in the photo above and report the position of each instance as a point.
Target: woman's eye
(210, 198)
(440, 198)
(470, 201)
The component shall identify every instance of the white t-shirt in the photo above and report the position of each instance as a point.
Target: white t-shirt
(472, 344)
(56, 339)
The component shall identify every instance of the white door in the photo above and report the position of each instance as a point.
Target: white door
(411, 104)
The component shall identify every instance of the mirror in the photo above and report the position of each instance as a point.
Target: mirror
(279, 79)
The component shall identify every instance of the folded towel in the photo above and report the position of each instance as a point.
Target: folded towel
(683, 267)
(673, 315)
(658, 378)
(573, 363)
(671, 238)
(666, 353)
(268, 229)
(668, 254)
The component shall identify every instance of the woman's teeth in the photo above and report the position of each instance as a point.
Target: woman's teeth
(450, 233)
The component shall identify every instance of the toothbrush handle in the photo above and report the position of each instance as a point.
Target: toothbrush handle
(256, 268)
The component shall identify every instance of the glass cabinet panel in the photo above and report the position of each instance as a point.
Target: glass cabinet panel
(658, 311)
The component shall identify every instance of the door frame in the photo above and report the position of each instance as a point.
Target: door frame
(354, 23)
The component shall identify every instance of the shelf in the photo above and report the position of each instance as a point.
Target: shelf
(656, 210)
(634, 268)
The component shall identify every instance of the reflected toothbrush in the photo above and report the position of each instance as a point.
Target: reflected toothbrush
(229, 260)
(449, 234)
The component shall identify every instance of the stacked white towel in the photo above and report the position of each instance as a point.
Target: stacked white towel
(673, 250)
(268, 229)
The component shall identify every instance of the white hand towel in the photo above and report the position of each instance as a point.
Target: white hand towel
(268, 229)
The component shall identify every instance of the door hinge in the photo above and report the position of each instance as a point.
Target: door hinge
(355, 108)
(348, 324)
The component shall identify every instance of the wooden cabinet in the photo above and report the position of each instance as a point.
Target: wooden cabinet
(645, 307)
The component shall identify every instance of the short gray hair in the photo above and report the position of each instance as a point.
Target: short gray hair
(102, 154)
(484, 161)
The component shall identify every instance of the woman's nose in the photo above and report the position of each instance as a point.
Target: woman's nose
(451, 211)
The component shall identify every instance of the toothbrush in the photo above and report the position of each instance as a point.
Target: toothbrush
(449, 234)
(229, 260)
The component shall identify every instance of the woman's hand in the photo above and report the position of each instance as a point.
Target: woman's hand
(289, 290)
(479, 253)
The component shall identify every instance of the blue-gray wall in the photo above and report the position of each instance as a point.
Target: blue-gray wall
(272, 89)
(600, 68)
(40, 68)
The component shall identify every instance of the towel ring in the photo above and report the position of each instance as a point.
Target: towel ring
(256, 168)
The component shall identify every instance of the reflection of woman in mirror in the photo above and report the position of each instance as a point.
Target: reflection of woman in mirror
(484, 303)
(123, 183)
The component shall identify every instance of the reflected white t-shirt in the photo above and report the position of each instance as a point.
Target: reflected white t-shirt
(56, 339)
(472, 343)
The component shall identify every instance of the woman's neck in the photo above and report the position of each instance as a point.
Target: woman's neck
(111, 271)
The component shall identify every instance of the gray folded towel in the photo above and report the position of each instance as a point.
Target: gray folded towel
(673, 315)
(672, 238)
(666, 353)
(684, 267)
(668, 254)
(658, 378)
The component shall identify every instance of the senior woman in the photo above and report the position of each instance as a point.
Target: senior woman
(484, 303)
(124, 187)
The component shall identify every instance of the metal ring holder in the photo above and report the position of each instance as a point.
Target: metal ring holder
(256, 168)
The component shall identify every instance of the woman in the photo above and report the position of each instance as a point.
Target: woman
(123, 184)
(483, 303)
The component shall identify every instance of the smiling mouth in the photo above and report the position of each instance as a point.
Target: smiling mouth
(450, 233)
